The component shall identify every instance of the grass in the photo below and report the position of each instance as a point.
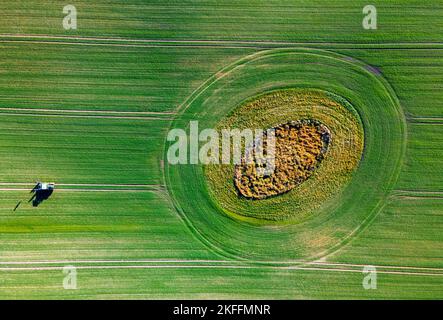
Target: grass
(81, 225)
(277, 20)
(217, 284)
(407, 231)
(67, 150)
(104, 78)
(423, 158)
(101, 76)
(415, 74)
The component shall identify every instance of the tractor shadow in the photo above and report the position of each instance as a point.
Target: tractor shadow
(39, 195)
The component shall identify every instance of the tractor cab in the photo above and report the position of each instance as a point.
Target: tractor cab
(43, 186)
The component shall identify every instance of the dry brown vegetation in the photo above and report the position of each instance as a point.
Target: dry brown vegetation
(300, 147)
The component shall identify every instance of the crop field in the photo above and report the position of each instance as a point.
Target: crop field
(91, 108)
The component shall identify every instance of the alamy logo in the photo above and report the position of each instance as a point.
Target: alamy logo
(70, 20)
(70, 279)
(370, 278)
(229, 146)
(370, 20)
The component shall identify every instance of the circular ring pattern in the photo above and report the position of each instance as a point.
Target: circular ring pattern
(336, 221)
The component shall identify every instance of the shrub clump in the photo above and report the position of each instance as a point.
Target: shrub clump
(300, 147)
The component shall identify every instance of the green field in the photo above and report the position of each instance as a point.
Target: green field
(90, 109)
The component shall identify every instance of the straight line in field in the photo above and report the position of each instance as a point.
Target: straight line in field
(98, 112)
(217, 263)
(83, 184)
(355, 46)
(83, 116)
(426, 120)
(137, 45)
(377, 266)
(51, 268)
(65, 262)
(83, 187)
(420, 197)
(197, 41)
(360, 271)
(416, 194)
(84, 190)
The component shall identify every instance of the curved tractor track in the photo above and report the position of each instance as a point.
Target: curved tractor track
(337, 221)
